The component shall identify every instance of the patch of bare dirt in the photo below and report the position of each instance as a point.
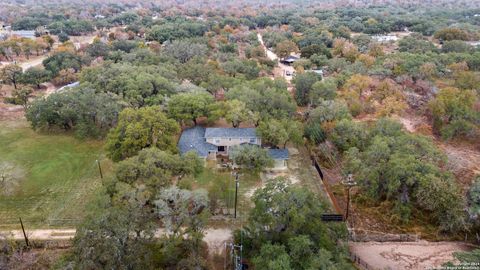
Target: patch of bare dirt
(406, 255)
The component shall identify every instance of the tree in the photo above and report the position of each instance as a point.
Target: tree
(156, 168)
(272, 257)
(303, 86)
(329, 111)
(63, 37)
(285, 229)
(62, 60)
(236, 112)
(415, 45)
(141, 128)
(35, 76)
(88, 113)
(451, 34)
(269, 98)
(20, 96)
(184, 50)
(250, 157)
(184, 214)
(119, 237)
(453, 113)
(98, 49)
(285, 48)
(326, 89)
(404, 169)
(11, 74)
(190, 106)
(280, 132)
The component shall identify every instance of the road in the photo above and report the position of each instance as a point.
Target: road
(215, 238)
(281, 69)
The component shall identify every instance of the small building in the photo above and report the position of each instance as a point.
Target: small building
(210, 142)
(280, 157)
(289, 60)
(384, 38)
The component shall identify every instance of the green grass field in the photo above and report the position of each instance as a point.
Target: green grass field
(55, 176)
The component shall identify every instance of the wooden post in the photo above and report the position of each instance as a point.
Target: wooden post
(24, 234)
(236, 194)
(100, 169)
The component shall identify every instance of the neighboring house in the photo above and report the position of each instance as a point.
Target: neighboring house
(20, 33)
(289, 60)
(384, 38)
(210, 142)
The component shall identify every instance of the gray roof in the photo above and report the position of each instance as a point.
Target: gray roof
(290, 58)
(194, 139)
(278, 153)
(230, 133)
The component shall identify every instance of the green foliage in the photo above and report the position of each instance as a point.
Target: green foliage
(184, 50)
(11, 74)
(35, 76)
(20, 96)
(251, 157)
(326, 89)
(138, 85)
(415, 45)
(141, 128)
(329, 111)
(451, 34)
(269, 98)
(62, 60)
(280, 132)
(405, 169)
(155, 168)
(285, 231)
(171, 31)
(453, 113)
(348, 134)
(315, 133)
(303, 86)
(457, 46)
(120, 238)
(71, 27)
(82, 110)
(185, 107)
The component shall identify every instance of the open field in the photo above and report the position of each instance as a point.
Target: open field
(52, 177)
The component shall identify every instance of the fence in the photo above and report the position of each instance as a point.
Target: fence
(327, 186)
(359, 262)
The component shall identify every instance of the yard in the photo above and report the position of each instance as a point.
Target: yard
(50, 178)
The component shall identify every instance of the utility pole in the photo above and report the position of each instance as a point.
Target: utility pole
(236, 256)
(348, 183)
(24, 234)
(236, 195)
(100, 169)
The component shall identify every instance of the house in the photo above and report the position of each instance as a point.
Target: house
(384, 38)
(210, 142)
(289, 60)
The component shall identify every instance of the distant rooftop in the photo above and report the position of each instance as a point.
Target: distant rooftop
(230, 132)
(194, 139)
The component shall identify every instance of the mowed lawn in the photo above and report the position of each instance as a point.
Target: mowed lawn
(56, 176)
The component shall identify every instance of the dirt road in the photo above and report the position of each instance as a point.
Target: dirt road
(215, 238)
(280, 70)
(406, 255)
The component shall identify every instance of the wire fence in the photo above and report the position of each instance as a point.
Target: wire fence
(359, 262)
